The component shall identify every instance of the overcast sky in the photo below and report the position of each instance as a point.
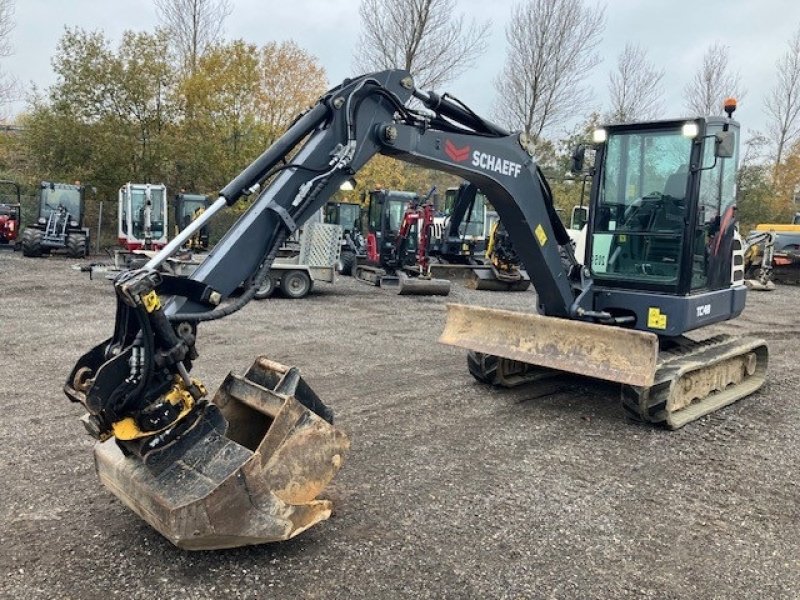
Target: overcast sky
(675, 32)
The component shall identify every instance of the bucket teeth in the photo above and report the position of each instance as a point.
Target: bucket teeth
(257, 482)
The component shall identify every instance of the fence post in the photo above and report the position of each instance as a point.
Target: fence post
(99, 226)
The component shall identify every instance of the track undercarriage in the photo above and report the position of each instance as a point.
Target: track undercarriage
(683, 381)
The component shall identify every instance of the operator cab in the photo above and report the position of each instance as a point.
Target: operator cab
(663, 216)
(60, 198)
(143, 216)
(189, 207)
(473, 226)
(384, 218)
(345, 214)
(657, 185)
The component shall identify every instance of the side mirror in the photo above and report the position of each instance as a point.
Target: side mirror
(578, 155)
(580, 216)
(724, 144)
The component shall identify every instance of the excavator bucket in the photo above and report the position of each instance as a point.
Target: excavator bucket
(599, 351)
(256, 482)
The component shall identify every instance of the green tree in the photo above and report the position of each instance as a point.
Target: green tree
(219, 131)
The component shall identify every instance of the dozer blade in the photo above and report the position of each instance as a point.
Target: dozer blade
(256, 482)
(484, 278)
(600, 351)
(421, 286)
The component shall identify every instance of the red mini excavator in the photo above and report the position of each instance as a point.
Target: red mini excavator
(399, 228)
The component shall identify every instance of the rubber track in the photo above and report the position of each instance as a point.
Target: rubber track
(649, 404)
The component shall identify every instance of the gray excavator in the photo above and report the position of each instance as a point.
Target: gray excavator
(246, 465)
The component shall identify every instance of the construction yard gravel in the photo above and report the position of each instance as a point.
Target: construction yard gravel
(451, 489)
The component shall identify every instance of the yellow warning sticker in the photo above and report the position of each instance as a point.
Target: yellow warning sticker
(656, 319)
(151, 301)
(540, 234)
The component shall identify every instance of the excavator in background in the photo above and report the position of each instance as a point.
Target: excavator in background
(59, 226)
(142, 217)
(10, 216)
(246, 465)
(471, 245)
(758, 253)
(399, 226)
(778, 245)
(187, 208)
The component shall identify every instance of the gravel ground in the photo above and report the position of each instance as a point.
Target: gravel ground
(451, 489)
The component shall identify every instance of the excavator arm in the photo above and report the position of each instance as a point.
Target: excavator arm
(137, 387)
(157, 315)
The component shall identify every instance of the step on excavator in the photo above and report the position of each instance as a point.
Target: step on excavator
(246, 465)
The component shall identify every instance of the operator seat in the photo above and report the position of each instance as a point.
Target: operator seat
(675, 187)
(668, 221)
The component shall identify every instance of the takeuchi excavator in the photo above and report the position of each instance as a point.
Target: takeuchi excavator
(246, 465)
(399, 227)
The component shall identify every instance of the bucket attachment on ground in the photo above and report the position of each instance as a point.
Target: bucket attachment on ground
(421, 286)
(600, 351)
(453, 272)
(486, 278)
(759, 285)
(256, 482)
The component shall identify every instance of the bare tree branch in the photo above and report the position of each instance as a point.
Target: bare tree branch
(783, 102)
(551, 47)
(426, 37)
(635, 87)
(193, 25)
(712, 83)
(8, 85)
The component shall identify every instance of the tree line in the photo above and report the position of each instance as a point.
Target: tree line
(184, 106)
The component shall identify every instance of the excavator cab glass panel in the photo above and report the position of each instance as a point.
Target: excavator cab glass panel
(473, 228)
(641, 207)
(713, 242)
(191, 206)
(138, 201)
(349, 217)
(474, 224)
(68, 197)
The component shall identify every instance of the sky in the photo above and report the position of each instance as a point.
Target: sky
(675, 33)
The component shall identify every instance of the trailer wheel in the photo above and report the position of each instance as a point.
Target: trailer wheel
(32, 242)
(482, 367)
(347, 263)
(266, 289)
(76, 245)
(295, 284)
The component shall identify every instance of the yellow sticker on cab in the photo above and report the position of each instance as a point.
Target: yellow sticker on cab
(656, 319)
